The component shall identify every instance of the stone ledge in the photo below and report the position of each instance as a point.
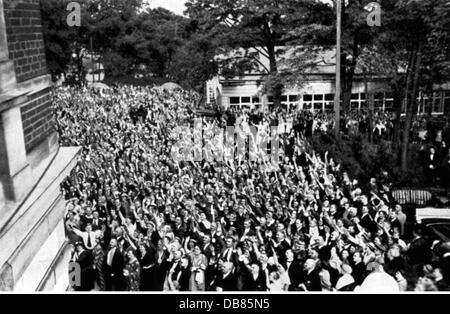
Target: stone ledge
(30, 227)
(48, 262)
(56, 279)
(19, 94)
(7, 76)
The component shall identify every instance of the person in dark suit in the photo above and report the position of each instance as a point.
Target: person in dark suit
(254, 279)
(179, 228)
(147, 260)
(359, 268)
(281, 246)
(226, 280)
(152, 234)
(161, 267)
(97, 222)
(294, 270)
(310, 278)
(419, 252)
(114, 265)
(217, 238)
(431, 165)
(207, 247)
(229, 254)
(180, 275)
(86, 261)
(367, 221)
(232, 222)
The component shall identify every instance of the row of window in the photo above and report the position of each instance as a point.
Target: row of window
(325, 102)
(434, 103)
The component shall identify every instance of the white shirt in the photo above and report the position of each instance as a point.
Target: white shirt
(86, 236)
(111, 253)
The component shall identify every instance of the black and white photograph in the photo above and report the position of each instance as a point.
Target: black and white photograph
(225, 147)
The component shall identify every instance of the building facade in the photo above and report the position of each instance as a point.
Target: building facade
(316, 92)
(32, 164)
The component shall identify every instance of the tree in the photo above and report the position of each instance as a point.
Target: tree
(111, 25)
(372, 63)
(356, 34)
(105, 21)
(411, 35)
(245, 30)
(159, 35)
(193, 63)
(60, 39)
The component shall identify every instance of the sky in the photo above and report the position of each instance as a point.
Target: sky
(176, 6)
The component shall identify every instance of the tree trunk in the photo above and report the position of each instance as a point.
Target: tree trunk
(411, 107)
(277, 89)
(370, 105)
(348, 73)
(398, 104)
(403, 100)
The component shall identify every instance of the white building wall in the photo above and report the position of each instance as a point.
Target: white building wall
(248, 87)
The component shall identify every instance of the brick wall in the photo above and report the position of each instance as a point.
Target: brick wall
(37, 119)
(25, 38)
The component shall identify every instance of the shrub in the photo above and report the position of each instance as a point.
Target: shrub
(363, 160)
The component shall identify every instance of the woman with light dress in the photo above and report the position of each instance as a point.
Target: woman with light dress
(198, 267)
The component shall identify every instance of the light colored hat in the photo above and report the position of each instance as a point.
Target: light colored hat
(346, 269)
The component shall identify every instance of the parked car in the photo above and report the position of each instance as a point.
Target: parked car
(436, 222)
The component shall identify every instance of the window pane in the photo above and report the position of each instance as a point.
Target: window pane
(318, 105)
(389, 105)
(235, 100)
(270, 99)
(284, 98)
(307, 97)
(378, 104)
(255, 100)
(437, 101)
(329, 106)
(318, 97)
(245, 100)
(355, 96)
(329, 97)
(307, 105)
(426, 105)
(447, 104)
(379, 96)
(293, 98)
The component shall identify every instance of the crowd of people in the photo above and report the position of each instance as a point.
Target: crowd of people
(139, 220)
